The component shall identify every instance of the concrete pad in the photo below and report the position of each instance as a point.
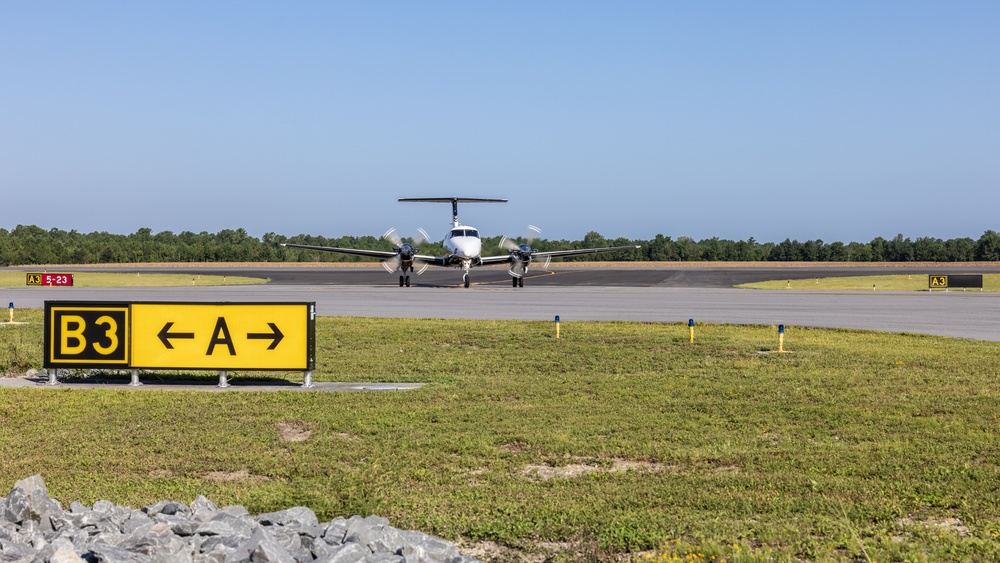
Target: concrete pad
(207, 385)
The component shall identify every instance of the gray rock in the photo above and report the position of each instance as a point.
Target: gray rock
(180, 525)
(29, 500)
(298, 515)
(104, 506)
(375, 533)
(241, 525)
(346, 553)
(166, 507)
(217, 548)
(29, 528)
(203, 509)
(421, 547)
(317, 547)
(215, 528)
(120, 514)
(335, 531)
(64, 554)
(103, 553)
(211, 557)
(135, 521)
(201, 502)
(290, 539)
(99, 521)
(236, 510)
(35, 529)
(16, 552)
(225, 543)
(158, 538)
(107, 538)
(260, 547)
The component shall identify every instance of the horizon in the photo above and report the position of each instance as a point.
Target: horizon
(154, 232)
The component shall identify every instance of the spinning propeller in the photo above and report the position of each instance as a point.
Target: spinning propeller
(403, 260)
(520, 254)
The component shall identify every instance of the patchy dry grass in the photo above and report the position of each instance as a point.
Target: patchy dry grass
(617, 439)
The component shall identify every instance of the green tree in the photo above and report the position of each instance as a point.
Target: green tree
(838, 252)
(660, 249)
(928, 249)
(711, 249)
(786, 251)
(988, 247)
(899, 249)
(960, 250)
(687, 249)
(878, 249)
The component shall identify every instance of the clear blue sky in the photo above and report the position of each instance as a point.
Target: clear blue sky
(831, 120)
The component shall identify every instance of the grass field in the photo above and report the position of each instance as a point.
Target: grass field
(617, 438)
(991, 282)
(105, 279)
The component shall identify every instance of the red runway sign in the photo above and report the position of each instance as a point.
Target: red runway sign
(62, 280)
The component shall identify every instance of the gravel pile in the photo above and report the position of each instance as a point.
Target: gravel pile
(35, 529)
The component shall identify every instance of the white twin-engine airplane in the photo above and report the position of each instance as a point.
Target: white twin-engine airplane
(464, 249)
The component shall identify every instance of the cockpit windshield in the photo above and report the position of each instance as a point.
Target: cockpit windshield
(464, 233)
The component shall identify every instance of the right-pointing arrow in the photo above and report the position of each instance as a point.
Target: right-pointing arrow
(275, 336)
(165, 335)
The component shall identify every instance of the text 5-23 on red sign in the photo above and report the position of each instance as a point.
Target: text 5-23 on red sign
(57, 279)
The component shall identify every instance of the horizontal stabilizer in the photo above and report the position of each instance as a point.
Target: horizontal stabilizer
(454, 199)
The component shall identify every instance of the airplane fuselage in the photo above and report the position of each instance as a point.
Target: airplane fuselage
(464, 246)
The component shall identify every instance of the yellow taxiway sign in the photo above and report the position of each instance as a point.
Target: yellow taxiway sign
(223, 336)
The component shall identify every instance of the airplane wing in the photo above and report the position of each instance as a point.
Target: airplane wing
(379, 254)
(557, 253)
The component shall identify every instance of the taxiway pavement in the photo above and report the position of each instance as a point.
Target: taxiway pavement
(579, 294)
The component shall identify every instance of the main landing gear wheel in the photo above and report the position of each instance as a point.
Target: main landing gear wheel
(466, 276)
(402, 280)
(514, 280)
(407, 281)
(520, 282)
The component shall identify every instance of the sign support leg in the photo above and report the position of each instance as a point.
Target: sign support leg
(135, 378)
(222, 379)
(52, 376)
(307, 383)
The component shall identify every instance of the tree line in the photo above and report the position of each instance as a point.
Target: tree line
(28, 244)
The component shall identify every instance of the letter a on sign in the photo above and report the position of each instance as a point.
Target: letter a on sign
(221, 329)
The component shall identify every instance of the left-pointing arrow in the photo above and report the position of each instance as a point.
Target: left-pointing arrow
(165, 335)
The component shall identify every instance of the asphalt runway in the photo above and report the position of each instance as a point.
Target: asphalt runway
(613, 276)
(579, 294)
